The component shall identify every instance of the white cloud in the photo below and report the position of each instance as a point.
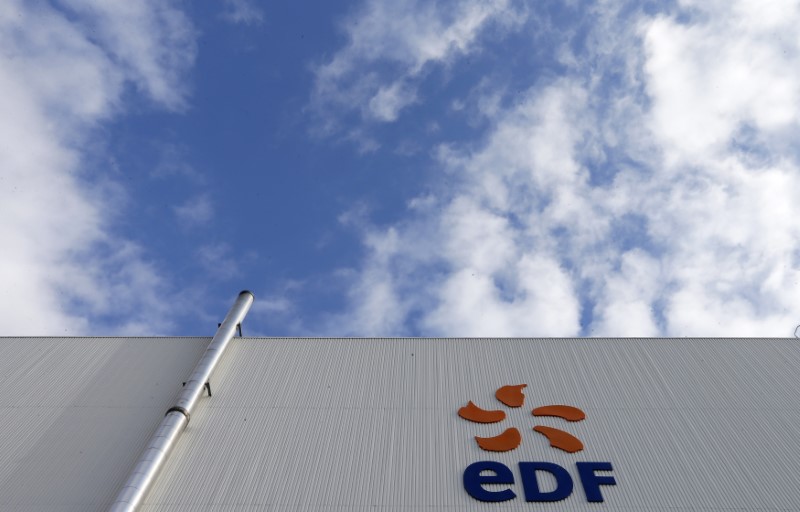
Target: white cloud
(405, 37)
(377, 308)
(626, 305)
(195, 211)
(471, 303)
(242, 11)
(728, 179)
(651, 191)
(272, 305)
(389, 101)
(476, 260)
(62, 269)
(151, 42)
(732, 67)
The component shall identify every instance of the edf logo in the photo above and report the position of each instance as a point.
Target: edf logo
(482, 473)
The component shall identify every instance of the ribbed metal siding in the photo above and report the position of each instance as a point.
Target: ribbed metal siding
(348, 424)
(76, 412)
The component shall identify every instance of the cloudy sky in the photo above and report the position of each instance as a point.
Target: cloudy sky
(401, 167)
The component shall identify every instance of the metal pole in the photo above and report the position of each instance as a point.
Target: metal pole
(133, 492)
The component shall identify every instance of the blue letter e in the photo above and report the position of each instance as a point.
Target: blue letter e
(473, 481)
(531, 484)
(591, 482)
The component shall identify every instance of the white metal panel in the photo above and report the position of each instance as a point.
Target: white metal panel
(76, 412)
(331, 424)
(350, 424)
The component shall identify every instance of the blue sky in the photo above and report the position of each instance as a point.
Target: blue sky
(425, 168)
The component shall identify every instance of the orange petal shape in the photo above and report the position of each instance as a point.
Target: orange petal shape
(474, 413)
(566, 412)
(560, 439)
(511, 395)
(505, 442)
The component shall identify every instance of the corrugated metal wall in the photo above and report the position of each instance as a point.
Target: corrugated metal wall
(344, 424)
(76, 412)
(372, 424)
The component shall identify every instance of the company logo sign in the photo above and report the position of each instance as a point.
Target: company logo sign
(479, 474)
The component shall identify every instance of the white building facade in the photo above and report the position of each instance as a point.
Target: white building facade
(318, 424)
